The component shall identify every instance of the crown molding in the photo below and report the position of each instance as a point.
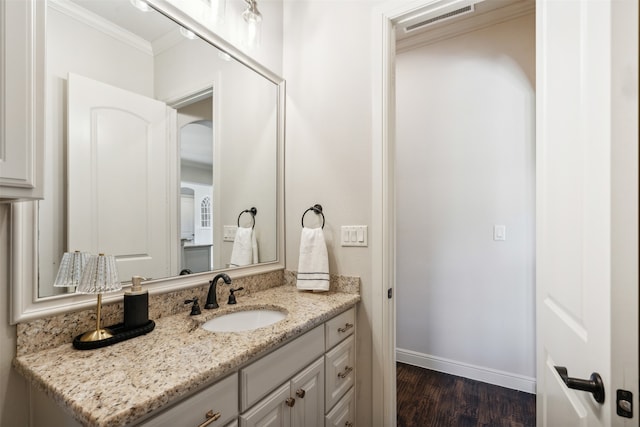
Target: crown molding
(97, 22)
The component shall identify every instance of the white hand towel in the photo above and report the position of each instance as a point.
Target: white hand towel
(245, 248)
(313, 264)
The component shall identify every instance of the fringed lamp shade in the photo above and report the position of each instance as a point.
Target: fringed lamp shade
(100, 276)
(71, 269)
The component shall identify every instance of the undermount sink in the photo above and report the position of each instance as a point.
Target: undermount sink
(246, 320)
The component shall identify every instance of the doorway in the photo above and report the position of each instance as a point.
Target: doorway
(553, 169)
(386, 155)
(465, 203)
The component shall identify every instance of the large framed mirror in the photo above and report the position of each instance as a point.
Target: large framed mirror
(163, 146)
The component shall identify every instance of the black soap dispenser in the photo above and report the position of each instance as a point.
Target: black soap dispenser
(136, 304)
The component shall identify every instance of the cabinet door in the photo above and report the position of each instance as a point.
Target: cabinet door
(272, 411)
(22, 104)
(340, 371)
(307, 388)
(264, 375)
(344, 413)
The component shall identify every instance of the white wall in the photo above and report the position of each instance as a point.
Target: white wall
(13, 388)
(466, 161)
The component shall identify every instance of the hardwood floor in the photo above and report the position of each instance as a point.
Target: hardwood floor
(432, 399)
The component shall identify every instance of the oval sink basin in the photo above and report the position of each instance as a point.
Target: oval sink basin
(244, 320)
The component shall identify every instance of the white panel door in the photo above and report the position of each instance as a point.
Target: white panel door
(575, 249)
(121, 178)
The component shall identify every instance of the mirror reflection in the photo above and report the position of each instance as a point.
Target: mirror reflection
(156, 143)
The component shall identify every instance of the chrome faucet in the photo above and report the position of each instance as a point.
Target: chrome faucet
(212, 300)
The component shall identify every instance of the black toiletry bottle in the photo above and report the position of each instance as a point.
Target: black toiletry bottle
(136, 304)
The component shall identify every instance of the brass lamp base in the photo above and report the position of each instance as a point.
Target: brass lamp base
(97, 335)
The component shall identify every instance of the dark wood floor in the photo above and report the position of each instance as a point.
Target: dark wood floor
(433, 399)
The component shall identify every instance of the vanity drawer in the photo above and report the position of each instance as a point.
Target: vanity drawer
(339, 371)
(267, 373)
(221, 397)
(339, 328)
(344, 413)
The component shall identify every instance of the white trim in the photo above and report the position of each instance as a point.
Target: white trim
(383, 201)
(23, 245)
(466, 370)
(97, 22)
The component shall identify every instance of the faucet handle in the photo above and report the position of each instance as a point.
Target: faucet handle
(232, 297)
(195, 308)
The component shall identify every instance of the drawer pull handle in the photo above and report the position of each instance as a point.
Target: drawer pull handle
(290, 402)
(347, 326)
(347, 370)
(211, 417)
(348, 424)
(300, 393)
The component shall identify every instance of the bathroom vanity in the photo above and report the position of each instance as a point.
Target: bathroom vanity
(299, 371)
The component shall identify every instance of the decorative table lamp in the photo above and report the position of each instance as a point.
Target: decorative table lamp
(100, 275)
(71, 269)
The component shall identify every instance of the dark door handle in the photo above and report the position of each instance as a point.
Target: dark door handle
(594, 385)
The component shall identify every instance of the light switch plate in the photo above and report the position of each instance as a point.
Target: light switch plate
(499, 232)
(353, 235)
(229, 233)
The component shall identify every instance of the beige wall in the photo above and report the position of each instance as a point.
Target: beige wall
(327, 65)
(13, 389)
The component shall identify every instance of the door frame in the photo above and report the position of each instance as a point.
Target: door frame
(625, 210)
(383, 239)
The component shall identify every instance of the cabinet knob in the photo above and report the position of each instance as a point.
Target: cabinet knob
(347, 370)
(290, 402)
(211, 417)
(300, 393)
(347, 326)
(348, 424)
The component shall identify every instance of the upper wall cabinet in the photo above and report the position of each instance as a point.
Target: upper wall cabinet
(21, 100)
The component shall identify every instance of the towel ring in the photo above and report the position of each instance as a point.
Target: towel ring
(317, 209)
(253, 212)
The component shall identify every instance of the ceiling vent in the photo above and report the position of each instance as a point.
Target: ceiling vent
(431, 21)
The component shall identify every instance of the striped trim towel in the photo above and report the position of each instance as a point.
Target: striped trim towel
(313, 264)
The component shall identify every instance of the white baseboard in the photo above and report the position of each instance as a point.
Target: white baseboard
(461, 369)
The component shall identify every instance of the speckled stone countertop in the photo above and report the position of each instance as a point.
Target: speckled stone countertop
(119, 384)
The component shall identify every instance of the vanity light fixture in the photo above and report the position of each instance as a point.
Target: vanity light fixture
(100, 276)
(253, 18)
(140, 5)
(71, 269)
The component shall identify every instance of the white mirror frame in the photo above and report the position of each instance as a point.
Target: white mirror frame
(23, 242)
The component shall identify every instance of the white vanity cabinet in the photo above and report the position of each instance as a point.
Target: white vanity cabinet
(340, 370)
(215, 406)
(322, 394)
(296, 403)
(21, 100)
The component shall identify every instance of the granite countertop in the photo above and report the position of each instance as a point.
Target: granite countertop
(117, 385)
